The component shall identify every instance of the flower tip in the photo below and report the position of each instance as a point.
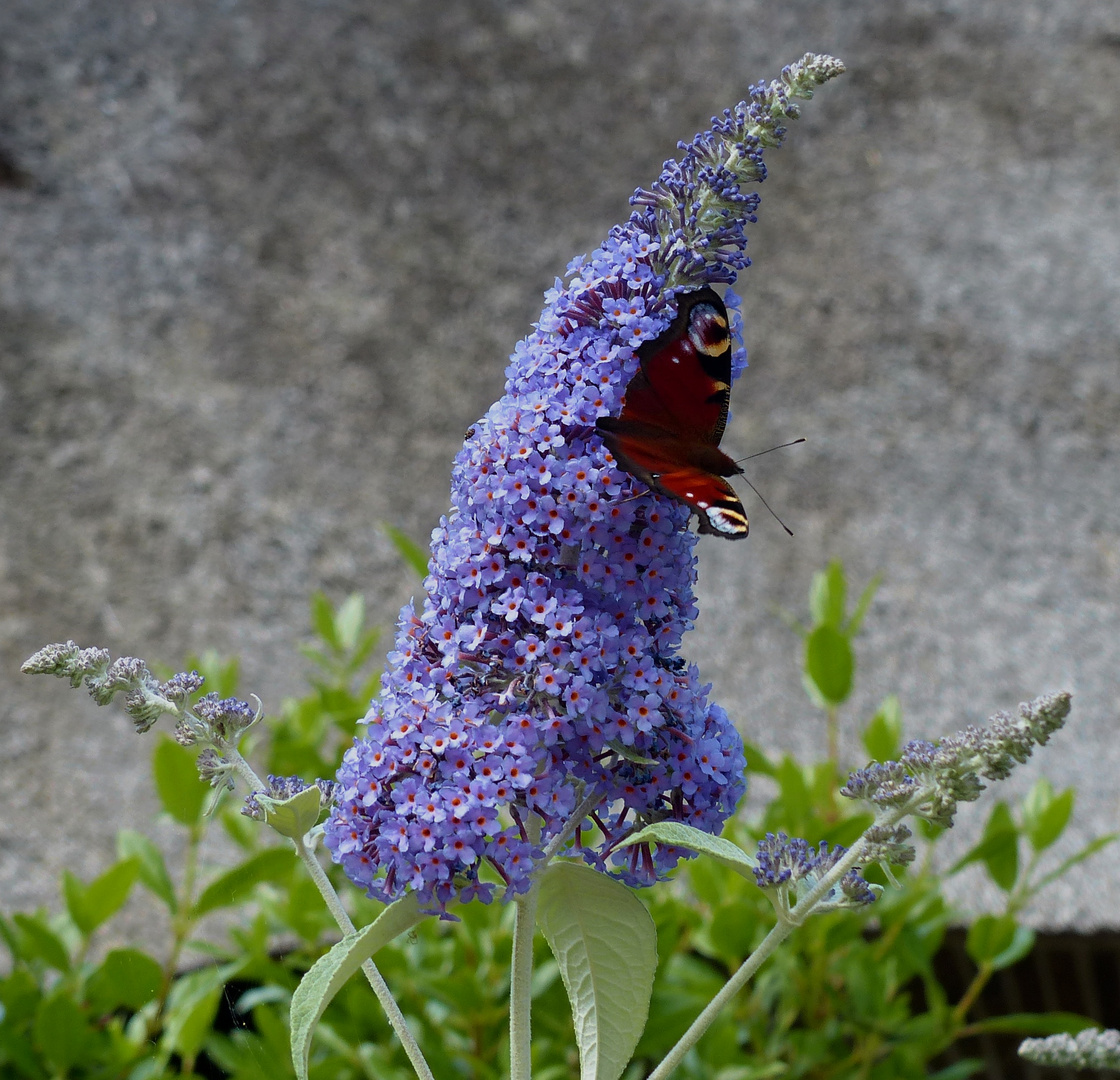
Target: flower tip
(50, 658)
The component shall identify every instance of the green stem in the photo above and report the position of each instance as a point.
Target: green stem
(782, 929)
(979, 981)
(182, 923)
(334, 904)
(524, 925)
(376, 980)
(520, 987)
(788, 921)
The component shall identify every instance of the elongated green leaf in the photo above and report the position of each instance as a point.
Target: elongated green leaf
(149, 858)
(862, 604)
(605, 944)
(192, 1006)
(408, 549)
(1001, 840)
(680, 835)
(1049, 820)
(349, 619)
(883, 734)
(181, 792)
(830, 664)
(793, 788)
(40, 941)
(272, 864)
(827, 595)
(1038, 1024)
(329, 973)
(757, 761)
(90, 905)
(1087, 852)
(989, 936)
(62, 1032)
(322, 619)
(997, 849)
(629, 753)
(1021, 944)
(960, 1070)
(126, 978)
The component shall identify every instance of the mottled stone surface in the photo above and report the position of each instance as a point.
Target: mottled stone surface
(261, 264)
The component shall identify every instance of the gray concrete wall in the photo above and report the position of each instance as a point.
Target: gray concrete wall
(261, 265)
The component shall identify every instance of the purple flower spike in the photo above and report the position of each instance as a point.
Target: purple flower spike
(543, 664)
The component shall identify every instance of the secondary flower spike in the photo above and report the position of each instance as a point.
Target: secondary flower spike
(543, 664)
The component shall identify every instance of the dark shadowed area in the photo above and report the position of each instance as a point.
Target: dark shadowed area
(261, 265)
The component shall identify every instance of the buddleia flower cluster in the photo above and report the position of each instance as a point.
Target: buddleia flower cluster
(930, 779)
(211, 722)
(543, 664)
(1088, 1049)
(790, 867)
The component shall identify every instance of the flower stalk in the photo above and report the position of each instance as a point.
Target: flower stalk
(217, 726)
(929, 781)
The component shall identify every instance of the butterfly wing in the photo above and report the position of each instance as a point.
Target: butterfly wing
(675, 411)
(687, 372)
(691, 473)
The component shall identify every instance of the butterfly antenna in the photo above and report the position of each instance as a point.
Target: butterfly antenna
(763, 501)
(782, 446)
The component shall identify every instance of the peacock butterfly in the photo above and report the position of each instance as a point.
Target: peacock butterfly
(674, 413)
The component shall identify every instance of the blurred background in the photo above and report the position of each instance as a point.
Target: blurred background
(261, 265)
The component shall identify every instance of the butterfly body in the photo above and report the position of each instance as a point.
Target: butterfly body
(674, 414)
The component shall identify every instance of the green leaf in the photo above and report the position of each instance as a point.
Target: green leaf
(237, 884)
(1046, 815)
(959, 1070)
(864, 602)
(91, 905)
(827, 596)
(757, 761)
(796, 801)
(1001, 853)
(678, 834)
(322, 619)
(883, 735)
(989, 936)
(998, 849)
(181, 792)
(349, 620)
(62, 1032)
(629, 753)
(829, 663)
(1089, 850)
(126, 978)
(192, 1006)
(221, 675)
(606, 946)
(1036, 1024)
(153, 870)
(40, 942)
(293, 817)
(331, 971)
(1021, 945)
(412, 553)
